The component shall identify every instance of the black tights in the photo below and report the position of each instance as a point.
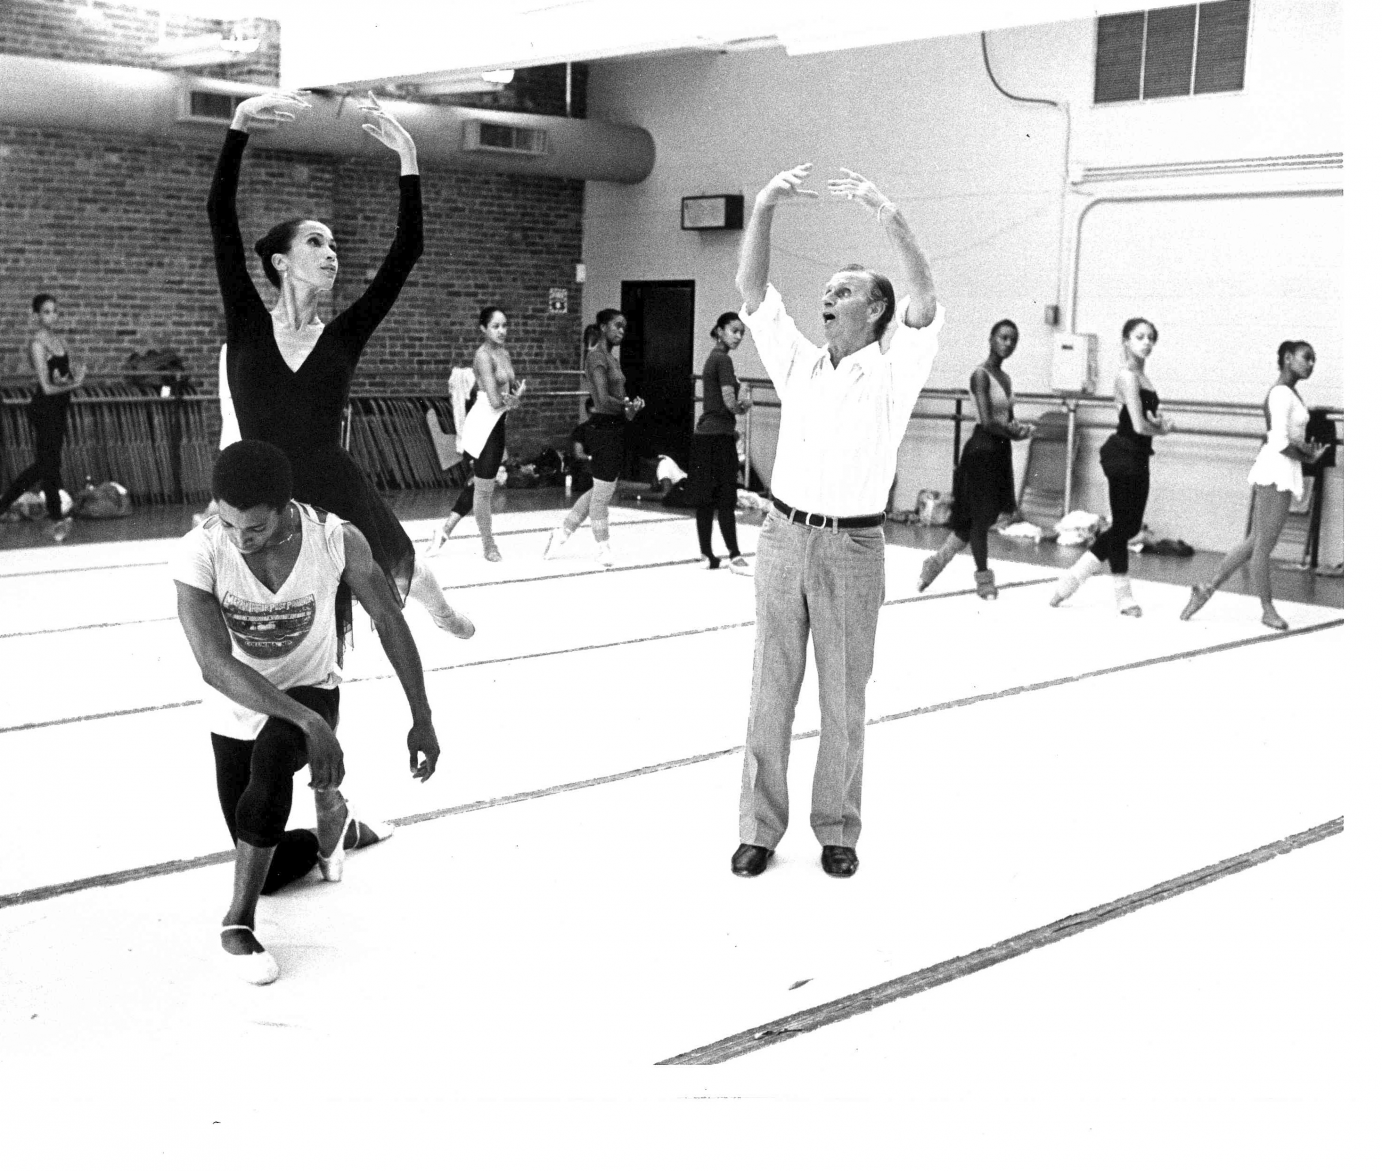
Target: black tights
(48, 417)
(977, 538)
(1127, 500)
(254, 778)
(728, 532)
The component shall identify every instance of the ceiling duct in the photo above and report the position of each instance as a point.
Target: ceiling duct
(121, 101)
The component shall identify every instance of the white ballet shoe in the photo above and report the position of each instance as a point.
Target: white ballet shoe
(257, 967)
(332, 866)
(604, 555)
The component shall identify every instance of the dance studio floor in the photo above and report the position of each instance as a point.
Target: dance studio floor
(550, 964)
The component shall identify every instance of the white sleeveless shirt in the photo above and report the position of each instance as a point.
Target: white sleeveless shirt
(287, 636)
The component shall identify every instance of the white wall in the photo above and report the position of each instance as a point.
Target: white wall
(981, 179)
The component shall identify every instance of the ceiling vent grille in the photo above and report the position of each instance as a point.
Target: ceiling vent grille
(209, 106)
(496, 137)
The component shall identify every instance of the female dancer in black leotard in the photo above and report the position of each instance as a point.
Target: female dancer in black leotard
(603, 378)
(290, 374)
(983, 484)
(48, 416)
(1126, 460)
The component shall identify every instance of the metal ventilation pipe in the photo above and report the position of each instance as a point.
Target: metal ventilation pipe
(123, 101)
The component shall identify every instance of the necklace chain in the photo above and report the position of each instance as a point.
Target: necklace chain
(291, 534)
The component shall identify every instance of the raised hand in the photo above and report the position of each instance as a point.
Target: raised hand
(389, 131)
(264, 110)
(788, 185)
(855, 187)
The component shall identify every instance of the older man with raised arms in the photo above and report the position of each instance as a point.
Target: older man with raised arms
(845, 407)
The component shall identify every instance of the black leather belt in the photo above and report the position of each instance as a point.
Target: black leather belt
(815, 520)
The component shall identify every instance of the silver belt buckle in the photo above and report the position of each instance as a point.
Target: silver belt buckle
(825, 521)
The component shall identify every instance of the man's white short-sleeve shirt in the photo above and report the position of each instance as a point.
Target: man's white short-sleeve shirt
(841, 425)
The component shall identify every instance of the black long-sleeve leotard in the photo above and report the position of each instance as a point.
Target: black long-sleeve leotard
(300, 411)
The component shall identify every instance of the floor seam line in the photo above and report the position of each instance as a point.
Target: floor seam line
(154, 870)
(914, 983)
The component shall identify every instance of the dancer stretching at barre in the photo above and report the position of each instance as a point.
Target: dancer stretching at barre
(289, 373)
(603, 380)
(1276, 480)
(983, 484)
(483, 433)
(1126, 459)
(256, 587)
(819, 573)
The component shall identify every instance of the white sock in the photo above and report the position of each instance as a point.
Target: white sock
(1074, 577)
(1122, 592)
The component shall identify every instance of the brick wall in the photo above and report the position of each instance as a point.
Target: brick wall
(116, 229)
(56, 29)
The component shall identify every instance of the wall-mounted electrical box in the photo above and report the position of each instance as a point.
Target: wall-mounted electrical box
(1074, 366)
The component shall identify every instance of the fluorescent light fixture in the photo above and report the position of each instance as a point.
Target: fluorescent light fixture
(497, 76)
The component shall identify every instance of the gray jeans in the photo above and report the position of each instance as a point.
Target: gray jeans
(828, 585)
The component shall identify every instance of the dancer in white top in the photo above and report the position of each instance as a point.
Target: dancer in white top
(257, 587)
(482, 433)
(1276, 480)
(230, 426)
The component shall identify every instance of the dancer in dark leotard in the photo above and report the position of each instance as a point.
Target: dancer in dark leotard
(983, 481)
(290, 374)
(1126, 459)
(48, 417)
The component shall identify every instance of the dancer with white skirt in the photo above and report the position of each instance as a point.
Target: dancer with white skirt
(1276, 480)
(490, 395)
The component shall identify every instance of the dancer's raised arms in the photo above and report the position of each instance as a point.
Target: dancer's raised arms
(265, 110)
(391, 133)
(752, 277)
(917, 272)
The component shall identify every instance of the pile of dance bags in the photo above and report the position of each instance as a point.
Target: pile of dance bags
(547, 470)
(93, 502)
(151, 371)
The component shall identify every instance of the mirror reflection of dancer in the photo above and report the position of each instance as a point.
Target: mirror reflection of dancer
(714, 488)
(1126, 459)
(48, 416)
(983, 487)
(256, 590)
(289, 374)
(1276, 480)
(819, 573)
(603, 380)
(483, 433)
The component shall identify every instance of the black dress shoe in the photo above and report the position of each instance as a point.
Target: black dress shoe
(750, 861)
(839, 861)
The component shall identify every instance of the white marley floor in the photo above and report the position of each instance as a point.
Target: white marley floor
(555, 916)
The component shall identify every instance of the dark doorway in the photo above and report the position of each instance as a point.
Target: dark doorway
(658, 357)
